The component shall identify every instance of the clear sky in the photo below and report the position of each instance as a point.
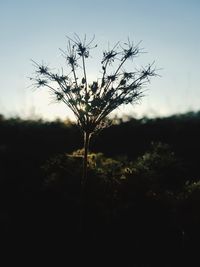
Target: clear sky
(36, 29)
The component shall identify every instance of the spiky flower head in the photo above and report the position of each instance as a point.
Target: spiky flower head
(92, 102)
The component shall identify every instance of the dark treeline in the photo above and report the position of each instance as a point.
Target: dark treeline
(143, 191)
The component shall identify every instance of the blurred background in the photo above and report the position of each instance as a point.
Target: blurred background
(37, 29)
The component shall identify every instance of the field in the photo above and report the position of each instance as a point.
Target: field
(142, 201)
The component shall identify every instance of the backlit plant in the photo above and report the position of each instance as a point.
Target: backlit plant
(92, 101)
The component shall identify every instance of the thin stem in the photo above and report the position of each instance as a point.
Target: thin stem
(104, 72)
(85, 76)
(84, 178)
(85, 157)
(74, 73)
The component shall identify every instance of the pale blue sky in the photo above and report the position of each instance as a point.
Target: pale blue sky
(36, 29)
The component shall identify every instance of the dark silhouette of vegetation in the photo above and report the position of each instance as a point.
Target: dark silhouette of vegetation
(92, 102)
(142, 205)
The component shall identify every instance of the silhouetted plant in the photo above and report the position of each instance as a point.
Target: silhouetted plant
(91, 102)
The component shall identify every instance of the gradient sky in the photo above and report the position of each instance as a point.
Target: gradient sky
(36, 29)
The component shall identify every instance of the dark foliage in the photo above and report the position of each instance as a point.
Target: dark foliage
(142, 204)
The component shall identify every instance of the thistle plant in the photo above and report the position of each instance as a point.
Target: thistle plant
(92, 101)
